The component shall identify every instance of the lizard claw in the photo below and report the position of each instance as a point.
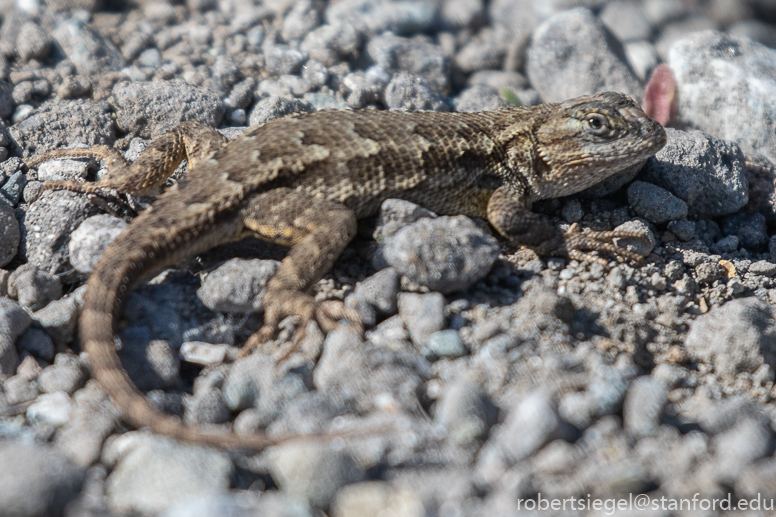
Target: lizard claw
(580, 244)
(287, 303)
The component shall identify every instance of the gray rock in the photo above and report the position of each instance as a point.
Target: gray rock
(151, 363)
(330, 43)
(738, 447)
(59, 123)
(376, 296)
(206, 407)
(655, 204)
(644, 405)
(479, 98)
(446, 343)
(50, 410)
(148, 109)
(6, 99)
(90, 240)
(486, 50)
(751, 230)
(33, 42)
(362, 90)
(683, 229)
(465, 411)
(237, 286)
(763, 268)
(446, 254)
(499, 79)
(643, 58)
(627, 21)
(12, 190)
(708, 272)
(397, 16)
(90, 52)
(738, 337)
(423, 315)
(75, 170)
(720, 77)
(530, 424)
(47, 226)
(417, 56)
(10, 235)
(36, 480)
(158, 473)
(275, 107)
(280, 59)
(573, 54)
(66, 374)
(301, 19)
(246, 380)
(33, 287)
(242, 504)
(60, 318)
(37, 343)
(394, 215)
(92, 419)
(9, 358)
(412, 93)
(324, 101)
(313, 472)
(707, 173)
(456, 14)
(19, 389)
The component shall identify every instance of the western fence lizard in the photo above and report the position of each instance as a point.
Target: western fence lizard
(305, 179)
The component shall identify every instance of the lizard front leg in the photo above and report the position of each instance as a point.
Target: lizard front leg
(191, 140)
(509, 214)
(318, 231)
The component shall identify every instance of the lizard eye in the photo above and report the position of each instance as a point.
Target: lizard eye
(597, 124)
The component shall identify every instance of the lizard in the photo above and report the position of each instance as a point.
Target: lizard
(304, 181)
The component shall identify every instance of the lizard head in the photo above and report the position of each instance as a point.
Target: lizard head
(587, 139)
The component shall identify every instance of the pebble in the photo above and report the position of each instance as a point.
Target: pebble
(446, 254)
(313, 472)
(376, 296)
(9, 234)
(51, 409)
(740, 341)
(377, 498)
(446, 343)
(237, 286)
(465, 411)
(407, 92)
(655, 204)
(571, 54)
(156, 473)
(707, 67)
(644, 405)
(705, 172)
(275, 107)
(423, 315)
(36, 479)
(67, 374)
(90, 240)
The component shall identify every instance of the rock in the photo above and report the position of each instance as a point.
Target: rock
(47, 226)
(9, 234)
(86, 48)
(157, 473)
(148, 109)
(275, 107)
(370, 18)
(417, 56)
(626, 20)
(479, 98)
(67, 374)
(36, 480)
(465, 411)
(643, 406)
(376, 296)
(707, 173)
(750, 229)
(406, 92)
(446, 343)
(741, 341)
(90, 240)
(530, 424)
(330, 43)
(60, 318)
(237, 286)
(655, 204)
(282, 60)
(395, 214)
(59, 123)
(573, 54)
(50, 409)
(446, 254)
(375, 498)
(37, 343)
(313, 472)
(33, 288)
(151, 363)
(242, 504)
(423, 315)
(707, 67)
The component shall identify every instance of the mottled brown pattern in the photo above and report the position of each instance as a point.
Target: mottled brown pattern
(305, 179)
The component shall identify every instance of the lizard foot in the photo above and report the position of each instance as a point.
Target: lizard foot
(279, 304)
(580, 243)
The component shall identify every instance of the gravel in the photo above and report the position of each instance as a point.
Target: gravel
(486, 375)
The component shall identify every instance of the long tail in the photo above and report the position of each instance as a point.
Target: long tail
(127, 260)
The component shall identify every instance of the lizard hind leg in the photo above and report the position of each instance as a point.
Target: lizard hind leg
(318, 231)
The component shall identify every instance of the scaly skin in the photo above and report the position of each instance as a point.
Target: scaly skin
(304, 180)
